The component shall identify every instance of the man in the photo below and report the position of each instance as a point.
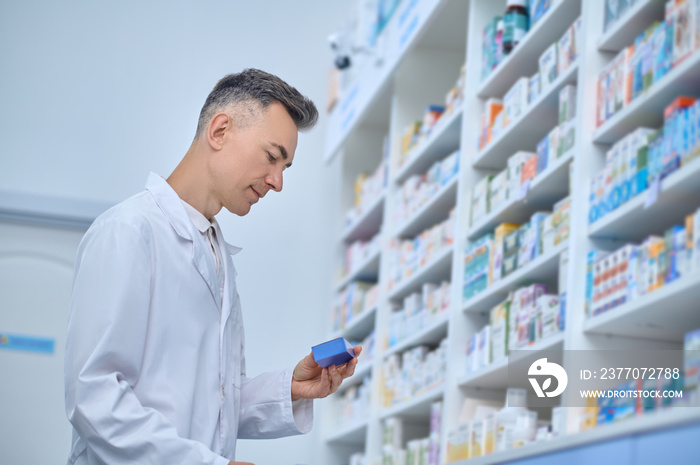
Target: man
(155, 367)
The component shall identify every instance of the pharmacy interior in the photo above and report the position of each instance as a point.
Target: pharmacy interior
(519, 222)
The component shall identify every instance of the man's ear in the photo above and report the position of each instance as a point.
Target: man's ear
(218, 126)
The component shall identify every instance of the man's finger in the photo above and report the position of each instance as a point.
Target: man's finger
(349, 368)
(336, 379)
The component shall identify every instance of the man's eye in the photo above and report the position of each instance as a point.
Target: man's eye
(271, 157)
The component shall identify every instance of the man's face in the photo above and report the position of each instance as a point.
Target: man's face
(253, 158)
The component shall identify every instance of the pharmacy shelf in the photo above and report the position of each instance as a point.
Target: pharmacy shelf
(359, 327)
(369, 223)
(418, 407)
(647, 110)
(665, 314)
(679, 196)
(415, 23)
(367, 270)
(529, 128)
(431, 334)
(655, 421)
(442, 141)
(435, 271)
(546, 189)
(353, 434)
(543, 269)
(495, 376)
(524, 59)
(635, 20)
(435, 210)
(363, 368)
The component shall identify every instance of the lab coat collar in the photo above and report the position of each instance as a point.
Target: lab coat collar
(171, 204)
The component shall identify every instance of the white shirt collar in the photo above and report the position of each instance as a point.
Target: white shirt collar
(203, 224)
(198, 220)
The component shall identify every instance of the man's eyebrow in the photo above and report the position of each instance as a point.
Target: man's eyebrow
(283, 151)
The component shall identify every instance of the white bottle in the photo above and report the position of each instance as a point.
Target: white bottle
(506, 418)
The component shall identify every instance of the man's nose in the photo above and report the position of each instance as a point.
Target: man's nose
(274, 180)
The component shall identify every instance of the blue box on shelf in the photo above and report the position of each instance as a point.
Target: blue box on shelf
(334, 352)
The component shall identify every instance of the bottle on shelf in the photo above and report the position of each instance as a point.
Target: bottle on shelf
(516, 23)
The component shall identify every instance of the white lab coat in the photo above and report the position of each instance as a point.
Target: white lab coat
(155, 368)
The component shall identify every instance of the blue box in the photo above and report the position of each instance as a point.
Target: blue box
(335, 352)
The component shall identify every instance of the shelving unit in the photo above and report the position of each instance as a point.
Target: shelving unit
(525, 132)
(546, 189)
(353, 434)
(541, 270)
(359, 326)
(495, 376)
(368, 269)
(625, 29)
(642, 318)
(418, 407)
(679, 195)
(443, 140)
(430, 334)
(435, 210)
(426, 43)
(647, 110)
(368, 223)
(523, 60)
(435, 270)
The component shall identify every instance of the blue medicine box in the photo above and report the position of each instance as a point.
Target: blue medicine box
(335, 352)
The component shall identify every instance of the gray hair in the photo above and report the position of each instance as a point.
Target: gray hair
(252, 89)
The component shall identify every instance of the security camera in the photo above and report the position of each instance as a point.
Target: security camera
(340, 49)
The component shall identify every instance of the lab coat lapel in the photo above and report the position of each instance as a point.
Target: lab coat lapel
(227, 250)
(171, 205)
(204, 262)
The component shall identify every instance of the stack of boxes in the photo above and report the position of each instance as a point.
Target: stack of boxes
(422, 451)
(367, 190)
(555, 60)
(413, 372)
(657, 50)
(528, 315)
(417, 190)
(486, 427)
(356, 298)
(418, 131)
(512, 246)
(476, 266)
(419, 310)
(357, 253)
(406, 257)
(354, 404)
(613, 279)
(645, 157)
(512, 184)
(685, 380)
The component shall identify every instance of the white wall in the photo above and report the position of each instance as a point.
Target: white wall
(95, 95)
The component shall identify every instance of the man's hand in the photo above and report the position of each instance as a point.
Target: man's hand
(310, 381)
